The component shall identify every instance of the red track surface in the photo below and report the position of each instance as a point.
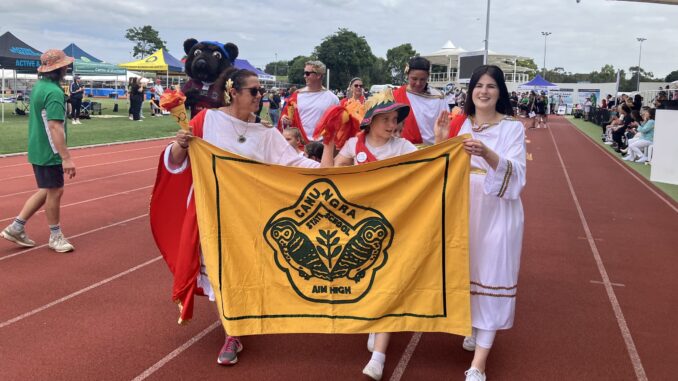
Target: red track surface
(103, 312)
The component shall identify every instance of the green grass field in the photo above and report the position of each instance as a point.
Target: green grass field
(594, 131)
(108, 128)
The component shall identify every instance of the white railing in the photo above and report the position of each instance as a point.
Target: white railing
(443, 78)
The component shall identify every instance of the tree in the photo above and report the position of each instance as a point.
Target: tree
(347, 55)
(147, 41)
(295, 73)
(396, 59)
(277, 68)
(673, 76)
(379, 73)
(529, 64)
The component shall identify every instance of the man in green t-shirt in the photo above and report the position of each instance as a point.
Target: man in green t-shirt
(47, 152)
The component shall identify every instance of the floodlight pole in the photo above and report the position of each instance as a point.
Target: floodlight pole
(640, 51)
(276, 65)
(545, 34)
(487, 35)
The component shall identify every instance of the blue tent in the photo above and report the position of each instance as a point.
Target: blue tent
(87, 64)
(538, 83)
(244, 64)
(74, 51)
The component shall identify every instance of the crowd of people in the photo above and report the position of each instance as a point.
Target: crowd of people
(629, 126)
(391, 124)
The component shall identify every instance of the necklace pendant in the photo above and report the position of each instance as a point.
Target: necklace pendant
(242, 139)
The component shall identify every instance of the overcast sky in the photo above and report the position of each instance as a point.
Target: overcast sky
(585, 35)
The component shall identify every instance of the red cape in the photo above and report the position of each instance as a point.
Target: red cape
(175, 228)
(411, 128)
(292, 112)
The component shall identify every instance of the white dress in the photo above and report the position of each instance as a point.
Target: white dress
(496, 225)
(263, 144)
(394, 147)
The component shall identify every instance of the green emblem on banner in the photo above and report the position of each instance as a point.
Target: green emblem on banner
(329, 248)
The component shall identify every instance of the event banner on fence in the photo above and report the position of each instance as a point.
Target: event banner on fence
(380, 247)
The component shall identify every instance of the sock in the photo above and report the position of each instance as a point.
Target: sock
(54, 230)
(378, 357)
(18, 224)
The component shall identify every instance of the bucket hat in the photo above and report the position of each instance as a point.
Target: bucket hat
(54, 59)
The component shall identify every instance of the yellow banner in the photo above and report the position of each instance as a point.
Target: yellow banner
(380, 247)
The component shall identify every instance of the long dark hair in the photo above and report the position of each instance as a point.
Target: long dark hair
(238, 76)
(503, 103)
(56, 75)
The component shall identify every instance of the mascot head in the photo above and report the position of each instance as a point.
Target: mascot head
(205, 60)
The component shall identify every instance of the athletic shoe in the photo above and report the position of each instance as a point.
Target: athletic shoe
(370, 341)
(628, 158)
(228, 355)
(20, 238)
(469, 343)
(60, 244)
(474, 374)
(130, 117)
(641, 160)
(374, 370)
(609, 143)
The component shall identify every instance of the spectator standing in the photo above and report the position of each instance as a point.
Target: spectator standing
(157, 93)
(77, 91)
(274, 104)
(136, 99)
(47, 152)
(514, 101)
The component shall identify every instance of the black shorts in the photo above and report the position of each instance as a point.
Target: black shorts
(49, 176)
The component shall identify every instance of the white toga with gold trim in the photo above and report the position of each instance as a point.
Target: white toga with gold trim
(496, 225)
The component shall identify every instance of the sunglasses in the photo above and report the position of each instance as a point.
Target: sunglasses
(308, 73)
(357, 85)
(254, 90)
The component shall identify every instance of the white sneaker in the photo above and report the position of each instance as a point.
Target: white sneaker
(628, 158)
(60, 244)
(641, 160)
(469, 343)
(374, 370)
(609, 143)
(370, 341)
(474, 374)
(20, 238)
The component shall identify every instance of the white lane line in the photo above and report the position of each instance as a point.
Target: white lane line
(630, 172)
(614, 284)
(27, 164)
(83, 181)
(73, 295)
(621, 321)
(89, 200)
(95, 146)
(74, 236)
(90, 166)
(176, 352)
(405, 358)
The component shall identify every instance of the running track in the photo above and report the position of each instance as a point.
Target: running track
(596, 299)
